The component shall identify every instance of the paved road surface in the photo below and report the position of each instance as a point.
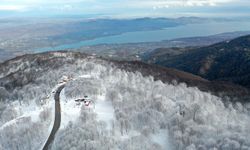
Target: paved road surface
(57, 120)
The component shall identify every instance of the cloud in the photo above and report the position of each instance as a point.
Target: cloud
(12, 8)
(177, 3)
(126, 7)
(108, 4)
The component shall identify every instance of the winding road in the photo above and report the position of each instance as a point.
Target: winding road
(57, 120)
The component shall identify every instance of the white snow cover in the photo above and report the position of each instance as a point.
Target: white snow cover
(162, 138)
(104, 111)
(129, 112)
(70, 110)
(28, 123)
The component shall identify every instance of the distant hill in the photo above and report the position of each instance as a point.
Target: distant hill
(226, 61)
(133, 51)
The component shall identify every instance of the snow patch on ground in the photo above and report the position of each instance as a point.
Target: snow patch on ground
(128, 135)
(28, 111)
(104, 111)
(69, 110)
(162, 138)
(85, 76)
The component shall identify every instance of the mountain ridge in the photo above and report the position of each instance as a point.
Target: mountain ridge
(36, 64)
(134, 100)
(226, 61)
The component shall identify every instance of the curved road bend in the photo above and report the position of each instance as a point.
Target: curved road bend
(57, 120)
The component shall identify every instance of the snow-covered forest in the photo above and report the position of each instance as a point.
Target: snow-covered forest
(130, 112)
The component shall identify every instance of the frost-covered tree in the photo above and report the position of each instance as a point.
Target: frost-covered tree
(143, 108)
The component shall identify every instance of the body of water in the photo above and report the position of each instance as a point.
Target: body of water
(190, 30)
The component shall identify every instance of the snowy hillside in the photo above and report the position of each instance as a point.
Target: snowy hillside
(128, 111)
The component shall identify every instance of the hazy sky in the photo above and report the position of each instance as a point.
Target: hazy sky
(126, 8)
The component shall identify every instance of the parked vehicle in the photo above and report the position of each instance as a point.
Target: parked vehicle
(87, 101)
